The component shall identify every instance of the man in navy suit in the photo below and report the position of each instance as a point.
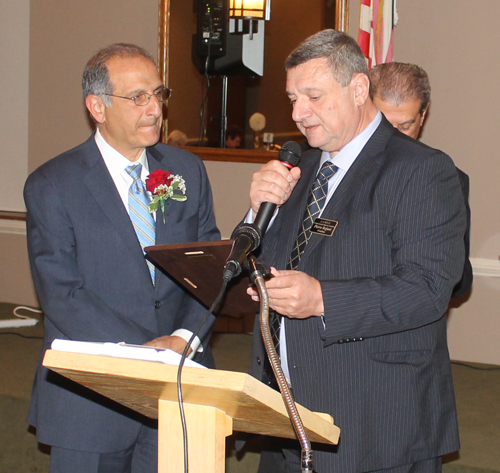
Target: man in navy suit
(362, 292)
(89, 269)
(402, 93)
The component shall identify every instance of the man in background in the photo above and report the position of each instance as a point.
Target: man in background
(402, 93)
(234, 137)
(365, 249)
(87, 226)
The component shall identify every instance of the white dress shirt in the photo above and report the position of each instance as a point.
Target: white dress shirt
(116, 164)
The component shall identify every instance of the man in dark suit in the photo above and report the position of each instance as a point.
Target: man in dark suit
(363, 291)
(89, 267)
(402, 93)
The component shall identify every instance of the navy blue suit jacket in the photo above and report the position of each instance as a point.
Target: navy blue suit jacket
(380, 364)
(93, 282)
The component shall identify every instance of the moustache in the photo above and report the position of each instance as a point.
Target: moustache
(150, 122)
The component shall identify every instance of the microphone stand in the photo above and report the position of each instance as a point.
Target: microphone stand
(257, 272)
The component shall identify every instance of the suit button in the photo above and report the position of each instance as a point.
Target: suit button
(157, 304)
(354, 339)
(341, 341)
(258, 360)
(347, 340)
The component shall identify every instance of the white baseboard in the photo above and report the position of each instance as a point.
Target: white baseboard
(486, 267)
(14, 227)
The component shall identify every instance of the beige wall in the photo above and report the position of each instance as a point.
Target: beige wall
(454, 40)
(14, 75)
(15, 276)
(230, 184)
(63, 36)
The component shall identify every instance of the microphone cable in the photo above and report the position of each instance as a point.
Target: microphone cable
(180, 398)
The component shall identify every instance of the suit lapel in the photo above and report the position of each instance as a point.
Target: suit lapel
(100, 184)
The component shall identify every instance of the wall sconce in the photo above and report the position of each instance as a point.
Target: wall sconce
(250, 10)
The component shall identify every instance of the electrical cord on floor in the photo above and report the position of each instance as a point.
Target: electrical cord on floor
(29, 309)
(22, 336)
(467, 365)
(20, 320)
(20, 316)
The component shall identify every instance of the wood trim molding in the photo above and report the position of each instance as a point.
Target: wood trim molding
(233, 155)
(7, 215)
(13, 223)
(342, 16)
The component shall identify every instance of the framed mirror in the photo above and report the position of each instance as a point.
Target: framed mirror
(196, 99)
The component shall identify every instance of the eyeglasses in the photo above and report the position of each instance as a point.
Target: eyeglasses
(144, 98)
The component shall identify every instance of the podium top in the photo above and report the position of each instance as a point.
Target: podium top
(254, 407)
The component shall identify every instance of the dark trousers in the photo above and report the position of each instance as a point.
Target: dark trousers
(434, 465)
(288, 461)
(142, 457)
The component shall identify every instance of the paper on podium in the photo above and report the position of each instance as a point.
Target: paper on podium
(122, 350)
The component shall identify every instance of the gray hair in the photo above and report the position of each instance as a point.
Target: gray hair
(95, 80)
(396, 82)
(342, 53)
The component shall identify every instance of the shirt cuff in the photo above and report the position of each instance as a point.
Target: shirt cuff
(249, 217)
(186, 335)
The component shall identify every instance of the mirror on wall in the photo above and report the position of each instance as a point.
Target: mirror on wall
(196, 105)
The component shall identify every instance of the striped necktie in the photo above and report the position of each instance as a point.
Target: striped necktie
(315, 204)
(143, 222)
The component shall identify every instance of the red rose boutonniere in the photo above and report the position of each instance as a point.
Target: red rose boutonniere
(162, 185)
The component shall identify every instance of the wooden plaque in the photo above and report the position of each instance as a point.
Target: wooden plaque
(198, 267)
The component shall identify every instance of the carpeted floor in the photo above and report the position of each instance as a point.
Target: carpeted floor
(478, 395)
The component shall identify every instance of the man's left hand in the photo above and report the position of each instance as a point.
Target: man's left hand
(293, 294)
(177, 344)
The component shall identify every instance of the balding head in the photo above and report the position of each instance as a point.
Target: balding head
(402, 93)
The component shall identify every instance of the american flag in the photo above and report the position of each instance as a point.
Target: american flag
(377, 19)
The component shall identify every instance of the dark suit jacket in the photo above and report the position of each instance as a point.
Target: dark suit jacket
(465, 284)
(380, 365)
(94, 285)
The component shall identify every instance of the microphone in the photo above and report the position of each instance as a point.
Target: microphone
(247, 236)
(289, 156)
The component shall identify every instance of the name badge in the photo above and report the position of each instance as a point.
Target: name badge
(323, 226)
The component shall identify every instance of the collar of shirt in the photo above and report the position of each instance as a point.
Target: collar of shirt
(116, 164)
(348, 154)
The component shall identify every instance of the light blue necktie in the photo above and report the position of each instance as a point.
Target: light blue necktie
(143, 222)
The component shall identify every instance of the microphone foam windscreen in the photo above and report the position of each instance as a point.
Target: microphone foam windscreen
(290, 152)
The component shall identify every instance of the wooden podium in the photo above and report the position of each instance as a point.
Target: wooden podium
(216, 403)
